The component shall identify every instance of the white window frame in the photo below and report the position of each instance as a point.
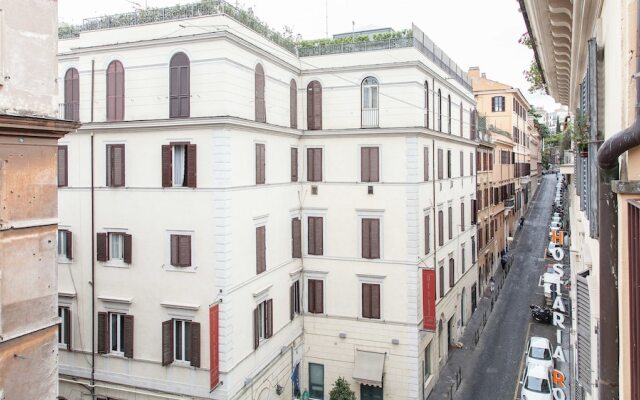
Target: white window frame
(119, 333)
(167, 263)
(373, 280)
(297, 292)
(111, 240)
(262, 321)
(63, 325)
(174, 164)
(62, 240)
(369, 214)
(369, 87)
(183, 344)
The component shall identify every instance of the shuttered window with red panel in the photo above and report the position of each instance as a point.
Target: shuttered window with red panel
(314, 106)
(63, 166)
(315, 299)
(179, 165)
(260, 164)
(115, 334)
(314, 164)
(180, 250)
(114, 246)
(115, 165)
(370, 238)
(72, 95)
(296, 238)
(371, 300)
(261, 250)
(179, 86)
(260, 103)
(429, 299)
(293, 104)
(115, 91)
(315, 236)
(181, 342)
(369, 164)
(262, 322)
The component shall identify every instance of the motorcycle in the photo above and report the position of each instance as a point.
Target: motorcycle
(541, 314)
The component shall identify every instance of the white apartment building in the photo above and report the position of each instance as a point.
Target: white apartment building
(268, 218)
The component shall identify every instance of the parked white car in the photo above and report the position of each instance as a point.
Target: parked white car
(539, 351)
(536, 383)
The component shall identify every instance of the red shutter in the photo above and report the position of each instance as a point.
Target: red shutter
(319, 236)
(128, 336)
(296, 238)
(115, 161)
(426, 164)
(314, 235)
(429, 299)
(256, 327)
(261, 114)
(269, 318)
(102, 253)
(366, 238)
(167, 166)
(72, 95)
(167, 342)
(315, 299)
(314, 165)
(194, 328)
(260, 250)
(366, 300)
(127, 248)
(294, 164)
(214, 347)
(69, 244)
(427, 235)
(311, 295)
(293, 104)
(67, 327)
(63, 166)
(103, 333)
(375, 301)
(191, 166)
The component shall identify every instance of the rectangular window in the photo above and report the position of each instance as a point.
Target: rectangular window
(263, 322)
(316, 381)
(461, 163)
(178, 165)
(261, 250)
(315, 300)
(426, 164)
(65, 242)
(181, 250)
(462, 259)
(315, 236)
(369, 164)
(64, 327)
(116, 332)
(440, 164)
(440, 228)
(462, 221)
(471, 164)
(427, 234)
(449, 164)
(260, 164)
(296, 238)
(294, 295)
(450, 223)
(115, 165)
(370, 238)
(314, 165)
(294, 164)
(473, 250)
(63, 166)
(181, 342)
(116, 246)
(452, 273)
(441, 272)
(427, 362)
(370, 301)
(497, 104)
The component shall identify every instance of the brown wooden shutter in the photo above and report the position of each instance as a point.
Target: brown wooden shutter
(179, 86)
(319, 236)
(471, 164)
(175, 260)
(63, 166)
(375, 301)
(366, 238)
(449, 164)
(115, 91)
(452, 273)
(440, 228)
(103, 333)
(314, 165)
(269, 318)
(184, 250)
(374, 235)
(319, 294)
(314, 106)
(292, 296)
(192, 170)
(462, 217)
(261, 112)
(260, 163)
(440, 164)
(474, 211)
(194, 328)
(314, 235)
(294, 164)
(72, 95)
(426, 164)
(167, 166)
(256, 327)
(366, 300)
(261, 264)
(441, 272)
(296, 238)
(365, 164)
(115, 165)
(127, 248)
(128, 336)
(293, 104)
(69, 244)
(167, 342)
(102, 253)
(67, 327)
(461, 164)
(311, 295)
(450, 224)
(427, 235)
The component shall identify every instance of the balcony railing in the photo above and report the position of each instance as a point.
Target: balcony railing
(69, 111)
(510, 203)
(370, 118)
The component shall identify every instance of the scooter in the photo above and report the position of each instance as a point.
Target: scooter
(540, 314)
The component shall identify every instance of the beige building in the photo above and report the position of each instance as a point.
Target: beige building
(29, 131)
(485, 203)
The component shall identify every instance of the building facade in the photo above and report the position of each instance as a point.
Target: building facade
(329, 227)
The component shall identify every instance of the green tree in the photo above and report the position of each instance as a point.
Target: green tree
(557, 124)
(341, 390)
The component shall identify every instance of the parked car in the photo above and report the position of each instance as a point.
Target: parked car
(539, 351)
(536, 383)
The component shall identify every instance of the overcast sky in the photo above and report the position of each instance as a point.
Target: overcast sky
(473, 33)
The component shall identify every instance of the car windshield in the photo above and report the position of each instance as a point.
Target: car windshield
(537, 385)
(539, 353)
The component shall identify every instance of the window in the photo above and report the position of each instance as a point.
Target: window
(63, 166)
(261, 250)
(72, 95)
(462, 227)
(426, 164)
(316, 381)
(450, 223)
(296, 238)
(181, 250)
(474, 211)
(449, 113)
(440, 228)
(179, 165)
(294, 164)
(369, 164)
(180, 341)
(371, 301)
(461, 119)
(370, 238)
(314, 106)
(441, 273)
(427, 234)
(461, 164)
(314, 165)
(462, 259)
(452, 272)
(497, 104)
(426, 104)
(314, 233)
(293, 104)
(473, 250)
(64, 327)
(260, 164)
(114, 246)
(261, 111)
(440, 164)
(473, 121)
(115, 334)
(369, 102)
(179, 86)
(262, 322)
(449, 164)
(294, 299)
(471, 164)
(115, 165)
(427, 362)
(439, 110)
(65, 244)
(115, 91)
(315, 300)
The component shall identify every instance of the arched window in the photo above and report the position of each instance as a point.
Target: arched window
(261, 109)
(369, 111)
(115, 91)
(179, 86)
(314, 106)
(426, 104)
(461, 119)
(439, 110)
(72, 95)
(293, 104)
(449, 113)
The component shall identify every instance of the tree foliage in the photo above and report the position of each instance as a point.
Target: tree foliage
(341, 390)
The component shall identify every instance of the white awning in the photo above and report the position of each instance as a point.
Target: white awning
(369, 368)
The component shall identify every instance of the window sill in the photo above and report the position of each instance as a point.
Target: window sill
(64, 260)
(63, 346)
(171, 268)
(182, 364)
(115, 264)
(114, 355)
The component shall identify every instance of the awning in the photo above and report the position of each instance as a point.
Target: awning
(369, 368)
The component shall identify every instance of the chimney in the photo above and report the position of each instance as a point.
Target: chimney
(474, 72)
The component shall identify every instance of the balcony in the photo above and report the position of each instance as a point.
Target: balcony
(69, 111)
(369, 117)
(509, 203)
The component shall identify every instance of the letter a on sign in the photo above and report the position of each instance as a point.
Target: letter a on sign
(558, 354)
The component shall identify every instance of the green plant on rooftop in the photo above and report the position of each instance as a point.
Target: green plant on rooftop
(534, 74)
(403, 34)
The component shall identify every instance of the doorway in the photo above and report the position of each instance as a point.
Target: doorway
(473, 298)
(370, 392)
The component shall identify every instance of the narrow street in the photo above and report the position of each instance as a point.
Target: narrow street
(494, 370)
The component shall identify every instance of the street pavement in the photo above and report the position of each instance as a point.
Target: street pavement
(492, 368)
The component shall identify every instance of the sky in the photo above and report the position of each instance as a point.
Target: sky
(473, 33)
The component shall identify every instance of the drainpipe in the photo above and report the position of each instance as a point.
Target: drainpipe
(93, 256)
(608, 154)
